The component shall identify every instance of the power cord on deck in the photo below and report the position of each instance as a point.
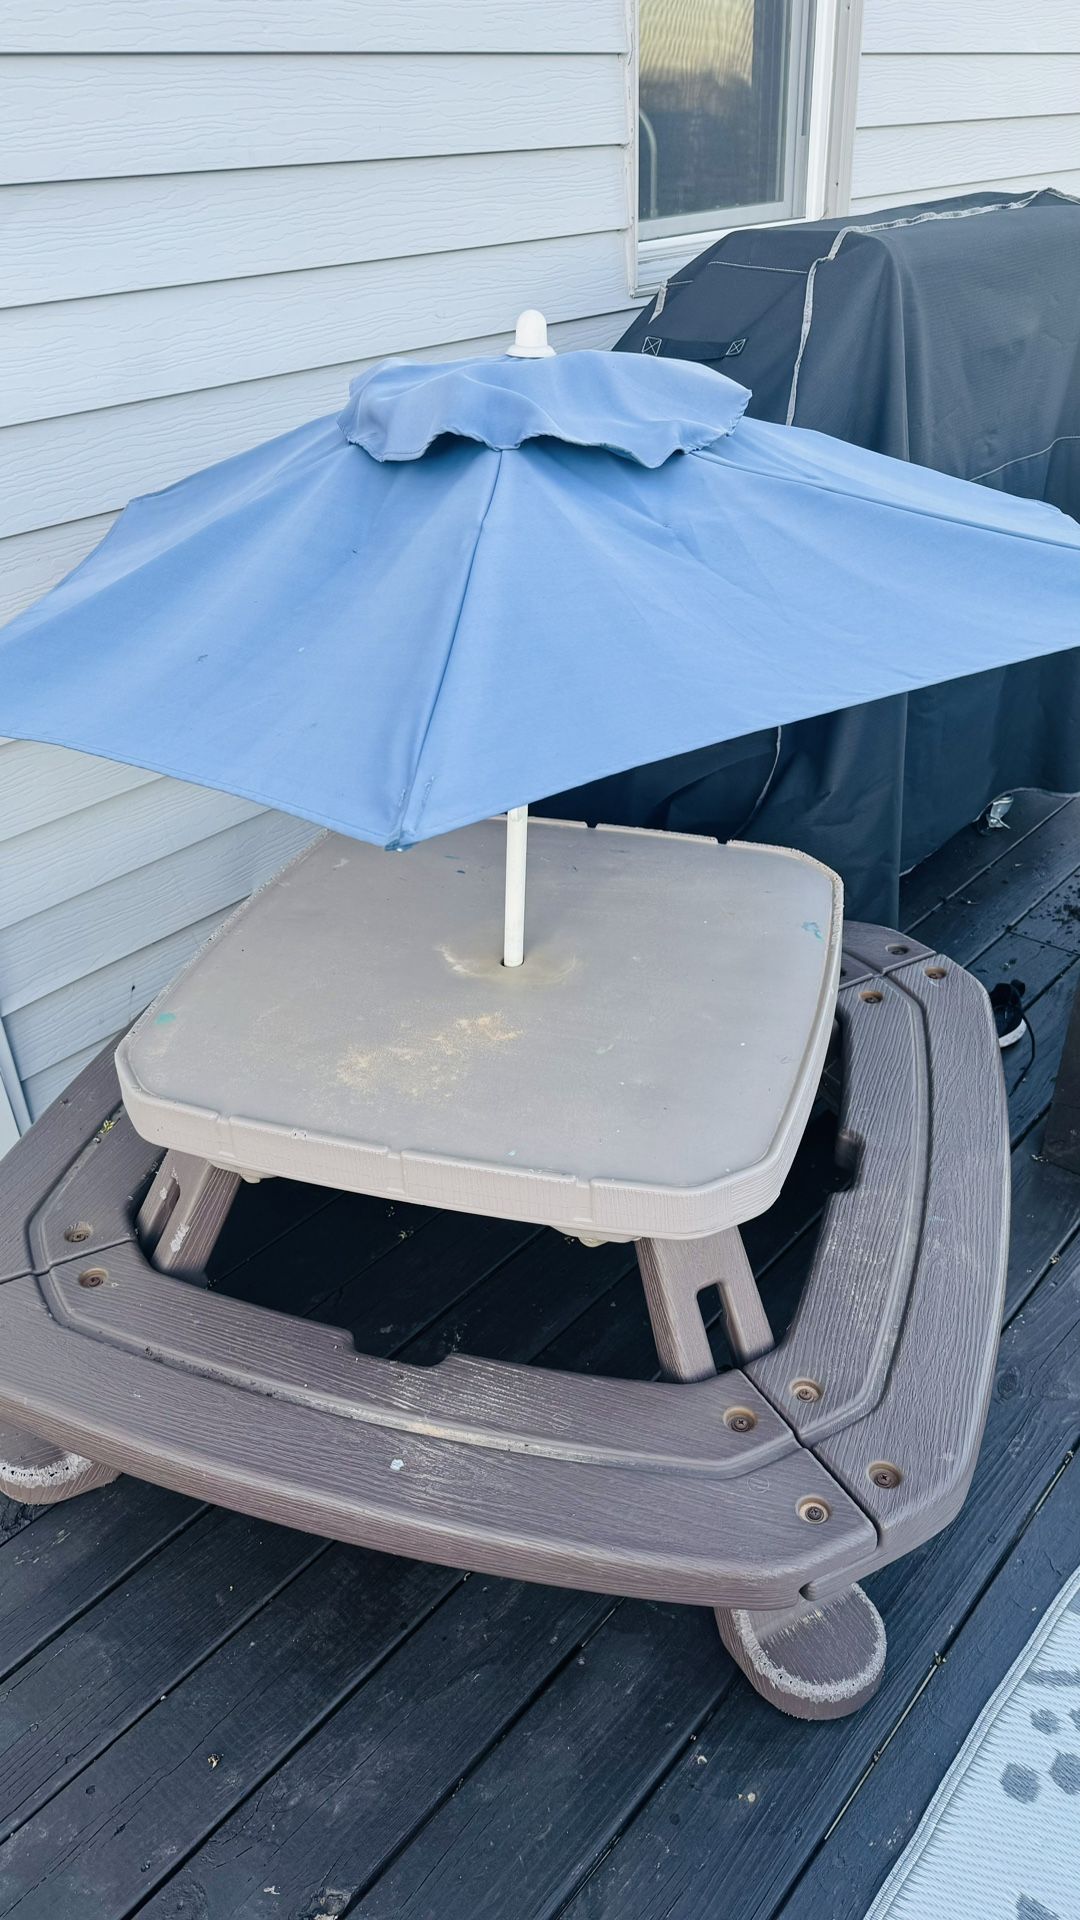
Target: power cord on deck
(1019, 1081)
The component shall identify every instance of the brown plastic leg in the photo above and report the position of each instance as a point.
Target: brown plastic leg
(184, 1212)
(816, 1660)
(37, 1474)
(673, 1273)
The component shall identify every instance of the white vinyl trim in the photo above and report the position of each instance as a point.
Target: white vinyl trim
(14, 1112)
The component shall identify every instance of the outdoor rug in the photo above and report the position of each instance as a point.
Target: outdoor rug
(1001, 1837)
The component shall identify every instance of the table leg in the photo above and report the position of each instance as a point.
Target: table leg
(674, 1273)
(183, 1214)
(37, 1474)
(815, 1660)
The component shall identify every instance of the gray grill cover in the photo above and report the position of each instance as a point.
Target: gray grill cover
(947, 333)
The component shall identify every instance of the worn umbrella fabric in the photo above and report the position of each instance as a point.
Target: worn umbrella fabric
(489, 580)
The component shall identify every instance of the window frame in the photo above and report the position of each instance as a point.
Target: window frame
(826, 100)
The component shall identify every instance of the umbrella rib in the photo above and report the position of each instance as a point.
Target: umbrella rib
(949, 518)
(407, 797)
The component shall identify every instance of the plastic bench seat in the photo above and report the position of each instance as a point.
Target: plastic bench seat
(609, 1484)
(765, 1492)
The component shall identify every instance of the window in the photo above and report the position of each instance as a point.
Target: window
(723, 105)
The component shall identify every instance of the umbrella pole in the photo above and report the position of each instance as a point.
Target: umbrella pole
(517, 833)
(530, 343)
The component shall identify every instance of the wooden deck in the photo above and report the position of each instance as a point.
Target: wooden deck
(203, 1716)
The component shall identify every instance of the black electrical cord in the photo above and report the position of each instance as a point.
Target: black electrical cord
(1019, 1081)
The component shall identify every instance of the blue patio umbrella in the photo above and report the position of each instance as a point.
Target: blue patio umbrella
(489, 580)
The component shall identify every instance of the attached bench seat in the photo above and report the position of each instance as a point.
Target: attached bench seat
(765, 1492)
(897, 1326)
(614, 1485)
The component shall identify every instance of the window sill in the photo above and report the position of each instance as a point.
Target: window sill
(658, 260)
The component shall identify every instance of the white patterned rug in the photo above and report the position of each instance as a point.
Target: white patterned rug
(1001, 1837)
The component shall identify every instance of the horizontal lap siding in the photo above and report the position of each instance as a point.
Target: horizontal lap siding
(965, 26)
(214, 216)
(909, 161)
(72, 239)
(77, 356)
(1065, 181)
(167, 113)
(958, 96)
(314, 26)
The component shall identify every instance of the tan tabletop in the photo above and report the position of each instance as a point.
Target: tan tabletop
(646, 1073)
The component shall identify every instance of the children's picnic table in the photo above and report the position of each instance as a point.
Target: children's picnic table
(646, 1075)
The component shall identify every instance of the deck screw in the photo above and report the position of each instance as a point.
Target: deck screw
(872, 995)
(898, 946)
(814, 1512)
(92, 1276)
(935, 973)
(740, 1419)
(884, 1474)
(80, 1231)
(806, 1390)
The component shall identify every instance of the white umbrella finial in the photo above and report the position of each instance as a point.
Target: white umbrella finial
(530, 337)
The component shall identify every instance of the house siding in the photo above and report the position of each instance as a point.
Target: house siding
(213, 216)
(961, 95)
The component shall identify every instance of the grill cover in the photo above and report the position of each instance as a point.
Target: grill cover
(946, 333)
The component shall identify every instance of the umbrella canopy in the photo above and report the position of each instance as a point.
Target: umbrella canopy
(491, 580)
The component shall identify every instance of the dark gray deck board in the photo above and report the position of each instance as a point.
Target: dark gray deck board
(1031, 1083)
(54, 1573)
(971, 852)
(239, 1716)
(603, 1731)
(342, 1806)
(1057, 917)
(1044, 1218)
(1013, 957)
(14, 1516)
(998, 898)
(365, 1735)
(91, 1682)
